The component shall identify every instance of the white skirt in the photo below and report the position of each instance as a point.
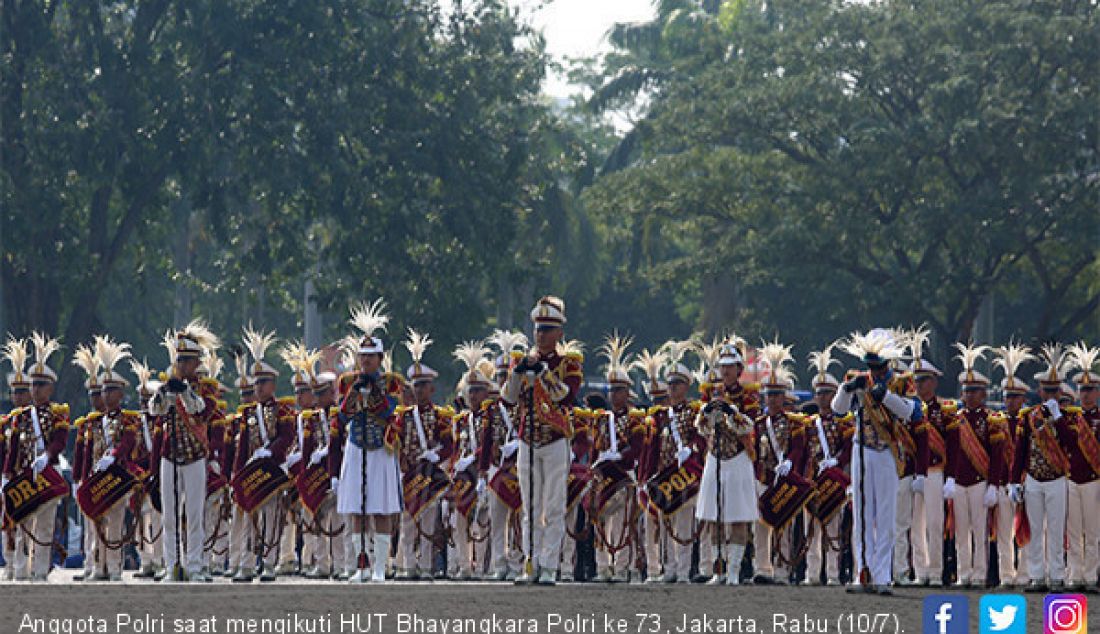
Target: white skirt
(738, 491)
(384, 492)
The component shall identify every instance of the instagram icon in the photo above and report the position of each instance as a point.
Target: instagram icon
(1065, 614)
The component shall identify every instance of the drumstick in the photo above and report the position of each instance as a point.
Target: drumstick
(530, 565)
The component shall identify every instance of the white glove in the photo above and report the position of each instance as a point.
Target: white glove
(40, 463)
(917, 485)
(481, 484)
(949, 489)
(335, 482)
(215, 466)
(4, 482)
(509, 448)
(990, 496)
(682, 455)
(430, 455)
(1016, 493)
(260, 453)
(317, 456)
(783, 468)
(609, 456)
(827, 464)
(104, 462)
(444, 507)
(464, 464)
(1055, 411)
(293, 459)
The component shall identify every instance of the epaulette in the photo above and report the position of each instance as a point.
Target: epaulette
(949, 406)
(636, 413)
(695, 406)
(850, 416)
(1024, 411)
(848, 432)
(575, 357)
(445, 411)
(1072, 409)
(286, 400)
(243, 407)
(654, 410)
(582, 413)
(92, 416)
(751, 387)
(401, 410)
(345, 381)
(59, 409)
(222, 404)
(333, 410)
(209, 382)
(394, 382)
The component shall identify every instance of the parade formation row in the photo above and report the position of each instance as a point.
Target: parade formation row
(361, 476)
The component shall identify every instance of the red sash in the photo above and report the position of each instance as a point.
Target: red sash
(1048, 445)
(1087, 443)
(936, 442)
(972, 446)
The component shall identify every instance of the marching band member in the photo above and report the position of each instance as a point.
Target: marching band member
(672, 441)
(37, 436)
(975, 441)
(267, 433)
(927, 484)
(544, 385)
(425, 440)
(1039, 472)
(186, 408)
(882, 417)
(1083, 488)
(365, 446)
(780, 449)
(328, 548)
(85, 359)
(1010, 358)
(652, 366)
(15, 352)
(218, 508)
(618, 434)
(829, 445)
(151, 550)
(300, 361)
(241, 555)
(466, 430)
(497, 451)
(110, 440)
(726, 421)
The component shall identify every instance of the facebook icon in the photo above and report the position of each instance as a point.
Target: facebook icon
(945, 614)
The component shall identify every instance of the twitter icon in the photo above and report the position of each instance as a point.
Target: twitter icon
(1002, 614)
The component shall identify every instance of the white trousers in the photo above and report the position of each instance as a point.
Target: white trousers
(569, 545)
(8, 538)
(505, 552)
(1006, 544)
(213, 509)
(874, 508)
(34, 555)
(1083, 530)
(819, 550)
(902, 526)
(547, 472)
(289, 538)
(192, 487)
(329, 553)
(1046, 515)
(971, 533)
(241, 552)
(91, 546)
(108, 561)
(416, 550)
(926, 534)
(664, 552)
(614, 523)
(152, 553)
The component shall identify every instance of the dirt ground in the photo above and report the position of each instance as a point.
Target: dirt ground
(565, 609)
